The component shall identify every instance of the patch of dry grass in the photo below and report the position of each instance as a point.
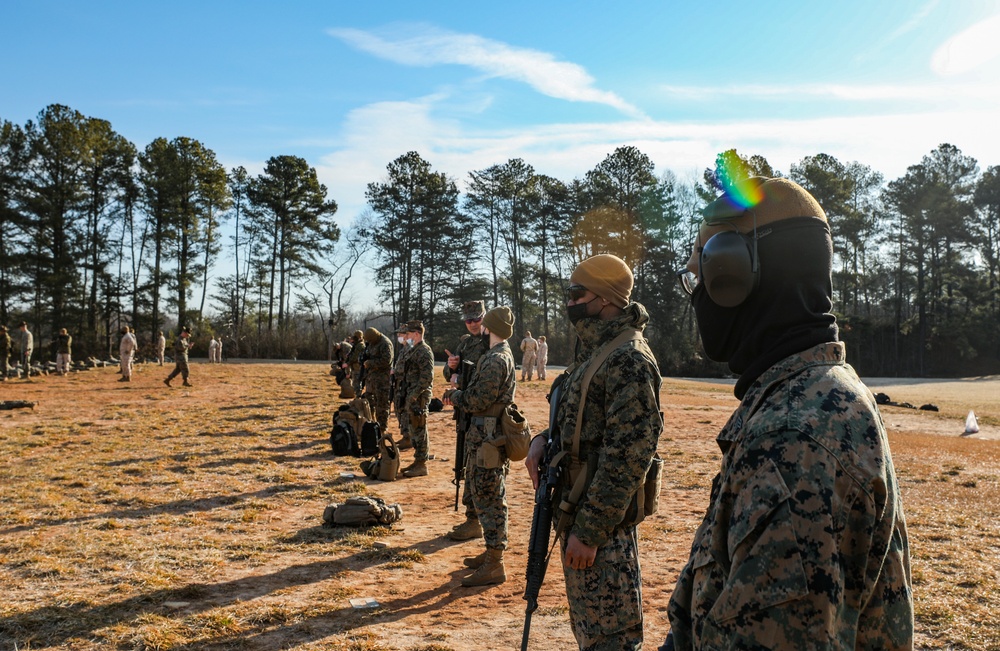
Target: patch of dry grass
(154, 520)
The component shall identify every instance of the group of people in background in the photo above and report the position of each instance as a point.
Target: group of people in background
(21, 348)
(23, 351)
(803, 543)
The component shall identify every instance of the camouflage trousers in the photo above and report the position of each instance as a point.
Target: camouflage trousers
(355, 370)
(418, 435)
(528, 364)
(377, 390)
(180, 368)
(488, 488)
(605, 600)
(467, 501)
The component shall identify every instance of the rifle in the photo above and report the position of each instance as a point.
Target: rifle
(464, 372)
(546, 497)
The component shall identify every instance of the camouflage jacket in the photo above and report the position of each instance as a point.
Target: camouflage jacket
(181, 346)
(470, 348)
(354, 358)
(5, 345)
(621, 421)
(64, 344)
(343, 353)
(804, 543)
(493, 383)
(418, 377)
(27, 341)
(379, 357)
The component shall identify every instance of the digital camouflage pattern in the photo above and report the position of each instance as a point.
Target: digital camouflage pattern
(529, 348)
(804, 543)
(399, 398)
(181, 346)
(418, 378)
(377, 367)
(492, 388)
(621, 427)
(354, 364)
(470, 348)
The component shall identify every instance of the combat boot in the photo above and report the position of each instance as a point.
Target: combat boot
(416, 469)
(467, 530)
(404, 443)
(475, 562)
(491, 572)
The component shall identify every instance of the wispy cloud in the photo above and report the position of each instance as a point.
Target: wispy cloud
(908, 26)
(845, 92)
(429, 46)
(969, 49)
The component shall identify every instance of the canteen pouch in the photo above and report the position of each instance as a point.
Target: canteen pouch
(418, 420)
(646, 501)
(516, 433)
(488, 455)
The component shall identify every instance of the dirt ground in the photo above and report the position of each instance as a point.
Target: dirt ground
(148, 517)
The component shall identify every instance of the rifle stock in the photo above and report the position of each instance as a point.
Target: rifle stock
(549, 484)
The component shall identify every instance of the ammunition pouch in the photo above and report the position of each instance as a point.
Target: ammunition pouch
(418, 420)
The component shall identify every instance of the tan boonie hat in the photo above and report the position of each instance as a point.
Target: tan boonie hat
(473, 309)
(607, 276)
(358, 335)
(500, 321)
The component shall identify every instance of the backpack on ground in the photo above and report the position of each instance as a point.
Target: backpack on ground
(343, 440)
(362, 511)
(370, 437)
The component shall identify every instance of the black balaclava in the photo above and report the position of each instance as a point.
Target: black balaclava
(788, 312)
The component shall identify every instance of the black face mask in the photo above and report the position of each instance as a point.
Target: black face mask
(579, 311)
(717, 325)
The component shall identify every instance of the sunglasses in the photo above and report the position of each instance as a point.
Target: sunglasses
(474, 320)
(576, 292)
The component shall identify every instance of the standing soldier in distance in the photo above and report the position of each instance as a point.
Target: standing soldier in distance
(470, 348)
(418, 379)
(64, 351)
(620, 427)
(543, 356)
(529, 348)
(399, 397)
(126, 350)
(161, 347)
(804, 543)
(213, 351)
(181, 347)
(354, 361)
(378, 363)
(5, 346)
(27, 347)
(485, 398)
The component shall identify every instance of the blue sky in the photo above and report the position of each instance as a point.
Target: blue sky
(350, 86)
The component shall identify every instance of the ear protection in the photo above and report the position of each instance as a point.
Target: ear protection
(728, 267)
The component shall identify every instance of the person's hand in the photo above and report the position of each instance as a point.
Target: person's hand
(534, 459)
(578, 555)
(453, 360)
(446, 398)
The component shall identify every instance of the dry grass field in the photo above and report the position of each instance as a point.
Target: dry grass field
(140, 517)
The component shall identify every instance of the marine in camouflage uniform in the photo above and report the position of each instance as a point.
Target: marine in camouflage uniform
(470, 348)
(378, 363)
(354, 361)
(618, 438)
(529, 348)
(399, 394)
(486, 465)
(418, 378)
(804, 542)
(181, 346)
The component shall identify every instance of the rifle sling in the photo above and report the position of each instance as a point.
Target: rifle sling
(568, 505)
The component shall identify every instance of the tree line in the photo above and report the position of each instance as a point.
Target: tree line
(95, 233)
